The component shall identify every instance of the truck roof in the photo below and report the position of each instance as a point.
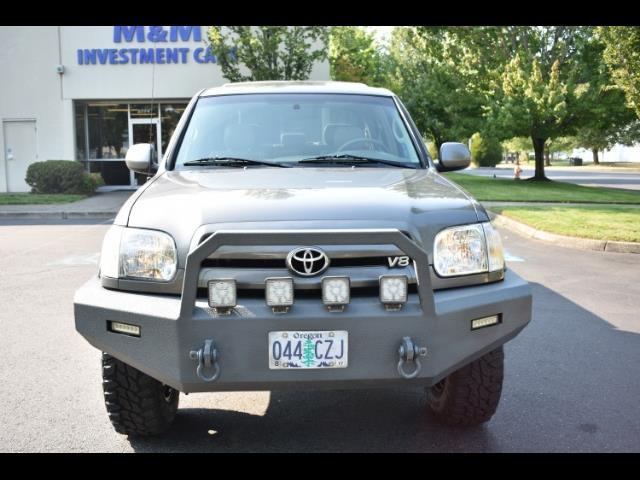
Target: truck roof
(285, 86)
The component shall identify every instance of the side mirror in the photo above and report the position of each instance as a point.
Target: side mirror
(453, 156)
(141, 158)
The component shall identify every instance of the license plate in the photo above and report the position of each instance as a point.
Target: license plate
(308, 349)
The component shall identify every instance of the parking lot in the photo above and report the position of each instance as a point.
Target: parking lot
(571, 384)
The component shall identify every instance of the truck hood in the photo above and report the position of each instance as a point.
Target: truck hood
(179, 202)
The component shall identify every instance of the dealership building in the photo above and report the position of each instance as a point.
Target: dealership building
(88, 93)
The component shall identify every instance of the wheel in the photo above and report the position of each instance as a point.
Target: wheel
(137, 404)
(469, 396)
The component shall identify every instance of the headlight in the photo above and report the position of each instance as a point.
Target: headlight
(138, 254)
(467, 249)
(494, 247)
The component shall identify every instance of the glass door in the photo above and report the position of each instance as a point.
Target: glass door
(144, 130)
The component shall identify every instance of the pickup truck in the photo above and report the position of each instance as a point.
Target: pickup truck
(297, 235)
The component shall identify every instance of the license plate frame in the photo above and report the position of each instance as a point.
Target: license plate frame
(308, 349)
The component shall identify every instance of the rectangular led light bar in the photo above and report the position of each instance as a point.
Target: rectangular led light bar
(486, 321)
(123, 328)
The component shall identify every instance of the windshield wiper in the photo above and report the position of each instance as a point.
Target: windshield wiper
(353, 160)
(231, 162)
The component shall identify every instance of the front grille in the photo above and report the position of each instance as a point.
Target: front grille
(250, 266)
(207, 235)
(260, 263)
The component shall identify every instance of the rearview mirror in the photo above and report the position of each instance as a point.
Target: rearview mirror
(141, 158)
(453, 156)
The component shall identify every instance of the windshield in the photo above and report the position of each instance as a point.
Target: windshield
(288, 128)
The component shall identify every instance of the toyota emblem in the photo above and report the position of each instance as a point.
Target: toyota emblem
(307, 261)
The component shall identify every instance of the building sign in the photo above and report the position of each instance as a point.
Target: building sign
(143, 45)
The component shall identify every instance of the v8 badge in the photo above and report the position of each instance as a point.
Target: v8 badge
(398, 262)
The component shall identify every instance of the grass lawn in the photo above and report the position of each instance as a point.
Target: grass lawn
(37, 199)
(601, 223)
(496, 189)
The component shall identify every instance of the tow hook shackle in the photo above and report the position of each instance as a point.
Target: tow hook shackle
(207, 358)
(409, 352)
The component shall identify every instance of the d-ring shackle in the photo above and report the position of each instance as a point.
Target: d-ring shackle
(409, 352)
(207, 357)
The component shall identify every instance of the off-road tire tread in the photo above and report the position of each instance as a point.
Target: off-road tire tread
(472, 393)
(134, 400)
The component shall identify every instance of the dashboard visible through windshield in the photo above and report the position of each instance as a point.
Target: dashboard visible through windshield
(296, 130)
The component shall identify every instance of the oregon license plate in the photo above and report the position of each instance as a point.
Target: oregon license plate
(308, 349)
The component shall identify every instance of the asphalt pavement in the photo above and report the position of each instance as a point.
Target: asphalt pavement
(571, 382)
(626, 180)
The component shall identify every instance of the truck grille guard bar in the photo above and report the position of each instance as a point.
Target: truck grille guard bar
(306, 237)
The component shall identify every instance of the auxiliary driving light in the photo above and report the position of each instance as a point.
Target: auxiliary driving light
(485, 322)
(393, 291)
(335, 293)
(222, 295)
(125, 328)
(279, 293)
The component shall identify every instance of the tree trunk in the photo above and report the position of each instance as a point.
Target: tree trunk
(538, 148)
(547, 160)
(596, 160)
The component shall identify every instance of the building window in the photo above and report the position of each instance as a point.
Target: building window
(143, 110)
(108, 130)
(104, 131)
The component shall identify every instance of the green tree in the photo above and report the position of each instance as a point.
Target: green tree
(604, 136)
(520, 146)
(485, 151)
(529, 79)
(606, 118)
(267, 52)
(559, 145)
(427, 75)
(354, 56)
(546, 83)
(622, 54)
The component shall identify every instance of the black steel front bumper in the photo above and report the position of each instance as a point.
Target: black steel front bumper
(173, 326)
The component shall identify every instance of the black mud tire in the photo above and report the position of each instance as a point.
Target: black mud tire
(137, 404)
(469, 396)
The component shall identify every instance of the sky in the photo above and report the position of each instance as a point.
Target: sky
(380, 31)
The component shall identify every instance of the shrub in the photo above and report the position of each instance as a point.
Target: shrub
(485, 151)
(61, 176)
(92, 181)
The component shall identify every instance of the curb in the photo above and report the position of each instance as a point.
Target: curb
(564, 240)
(57, 215)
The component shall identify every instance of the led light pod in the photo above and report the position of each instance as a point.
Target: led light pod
(336, 293)
(222, 295)
(279, 293)
(393, 291)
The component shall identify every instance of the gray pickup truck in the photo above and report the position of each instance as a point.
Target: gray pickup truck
(297, 235)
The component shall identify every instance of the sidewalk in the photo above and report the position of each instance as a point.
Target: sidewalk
(100, 205)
